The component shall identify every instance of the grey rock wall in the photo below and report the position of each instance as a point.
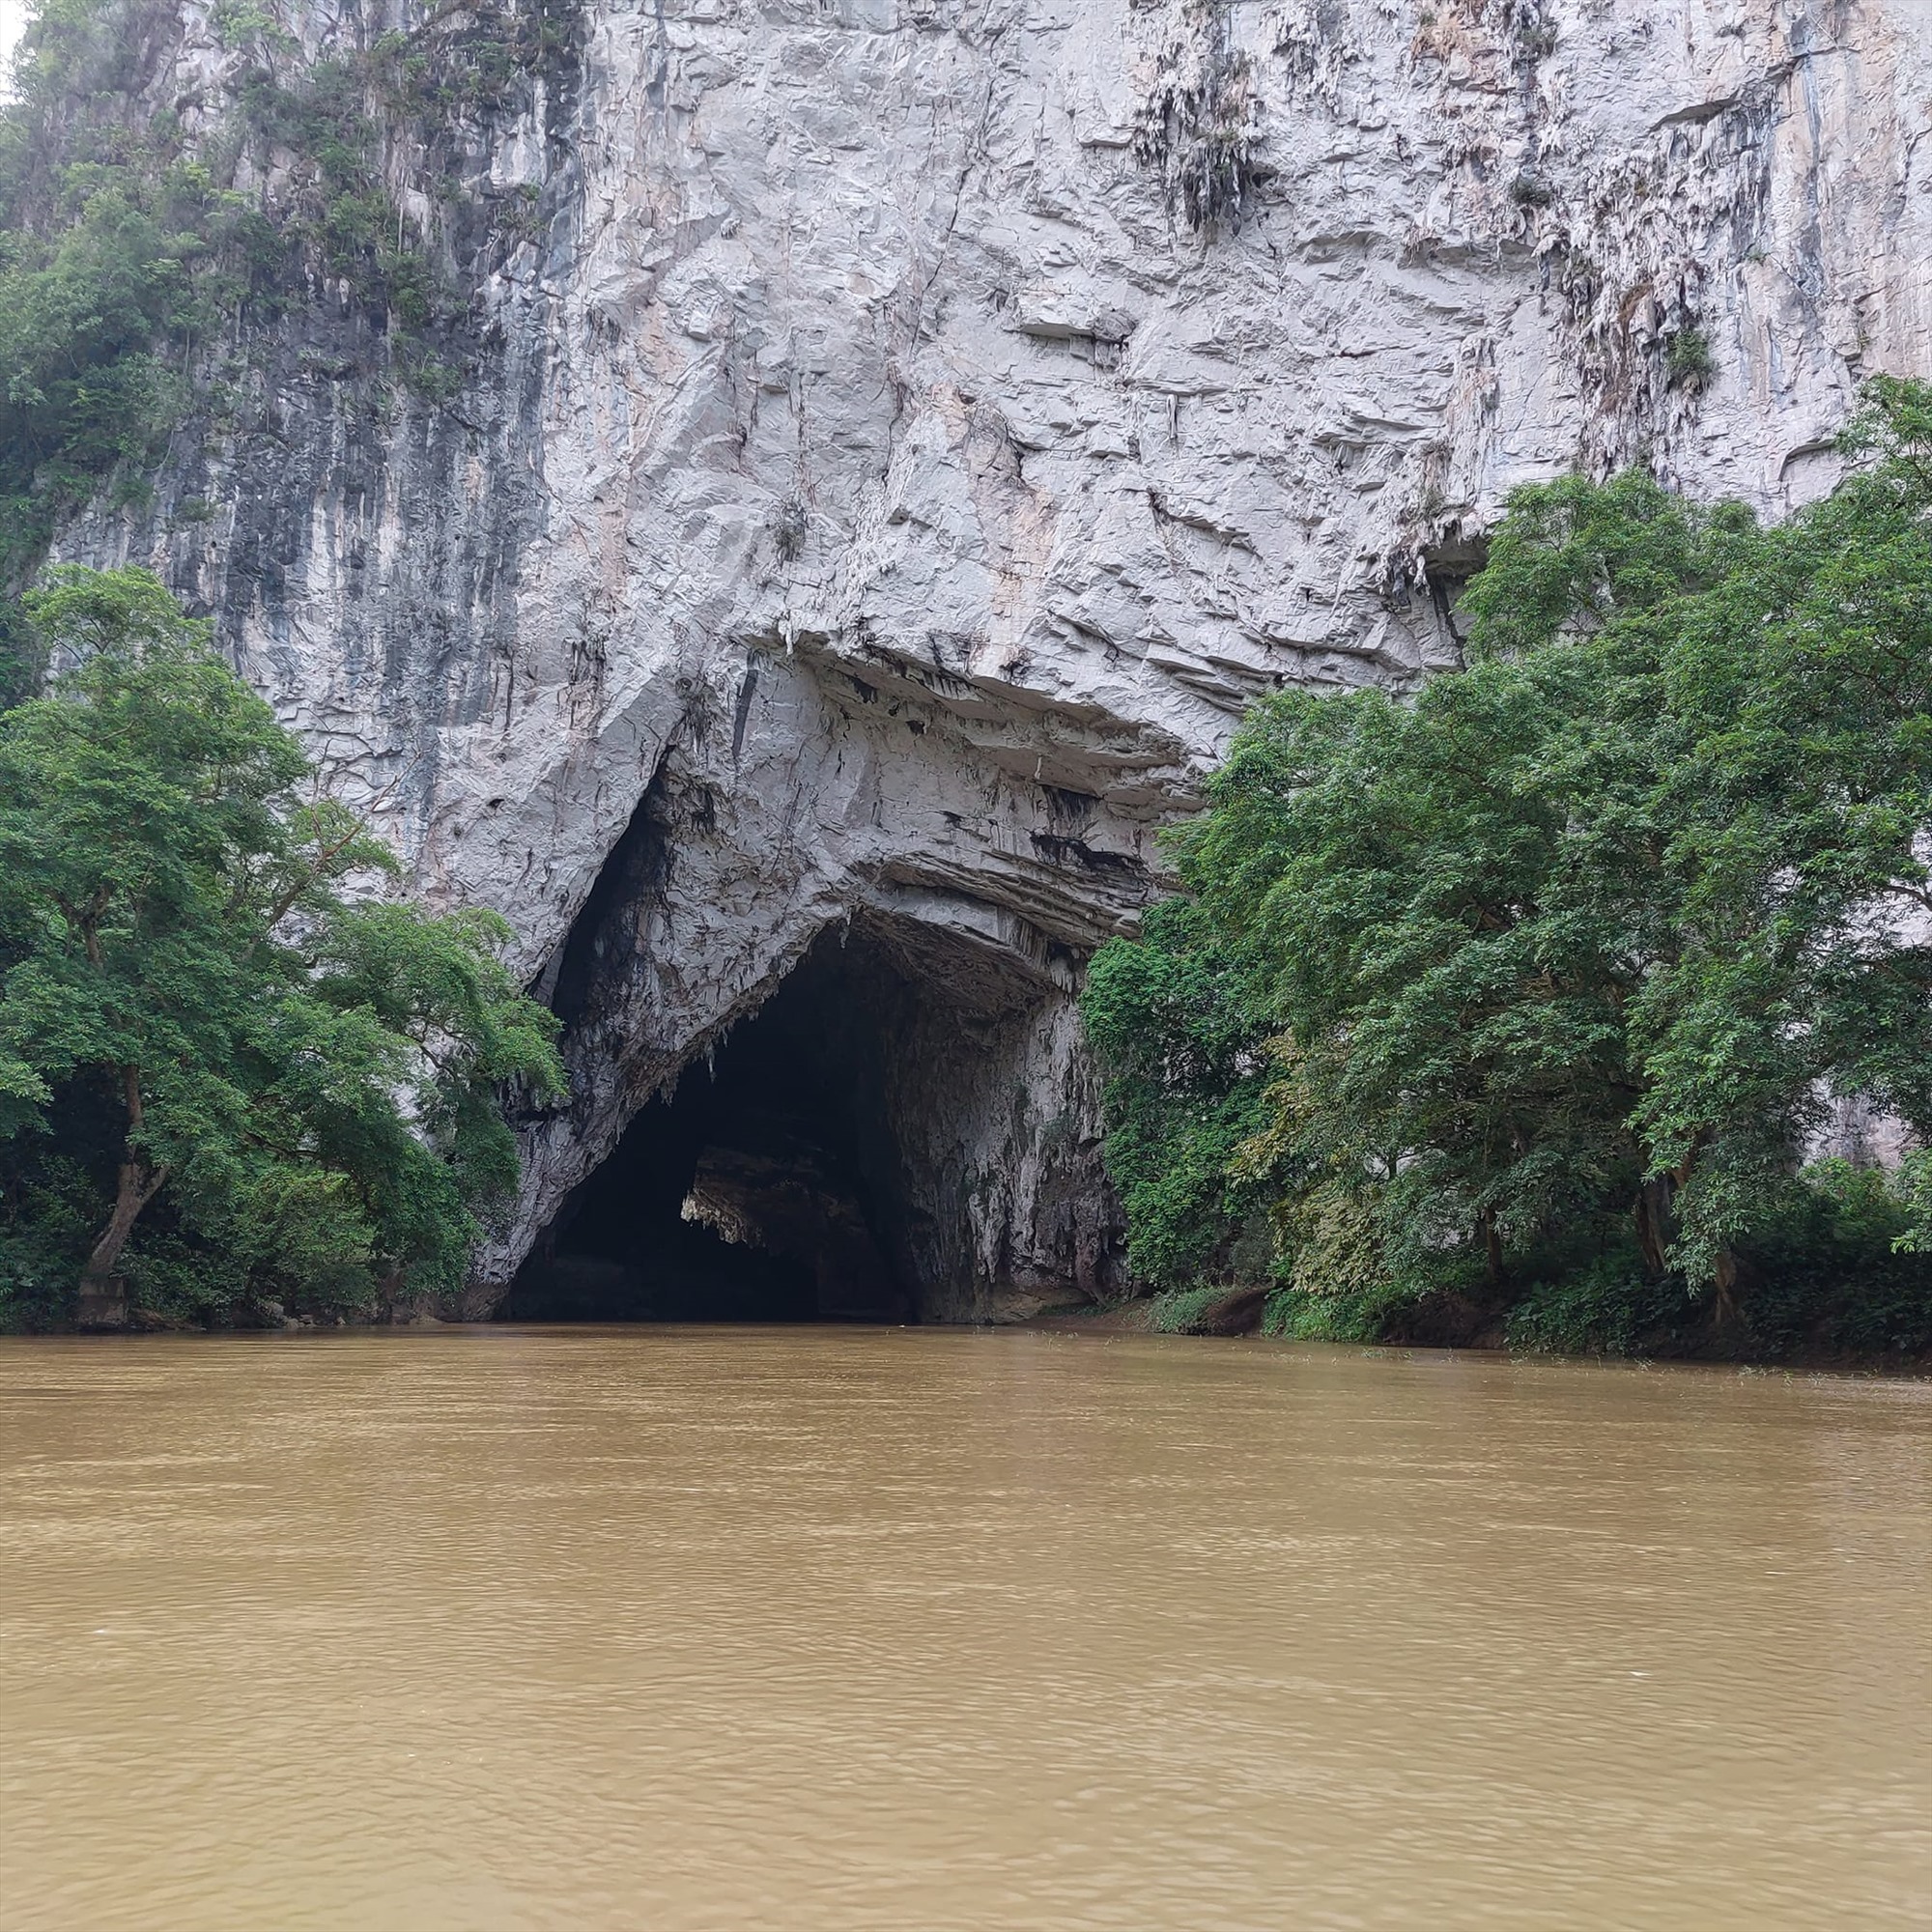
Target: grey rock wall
(914, 429)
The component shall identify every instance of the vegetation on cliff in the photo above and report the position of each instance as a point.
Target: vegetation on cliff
(147, 229)
(227, 1087)
(1514, 1008)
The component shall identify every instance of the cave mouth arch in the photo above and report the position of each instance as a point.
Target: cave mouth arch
(774, 1183)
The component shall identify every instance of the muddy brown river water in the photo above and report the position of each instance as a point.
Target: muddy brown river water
(924, 1631)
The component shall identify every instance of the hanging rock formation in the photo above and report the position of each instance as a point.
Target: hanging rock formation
(908, 432)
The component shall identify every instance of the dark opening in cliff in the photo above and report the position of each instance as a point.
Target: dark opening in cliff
(765, 1189)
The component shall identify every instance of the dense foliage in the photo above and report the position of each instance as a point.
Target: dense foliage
(222, 1082)
(134, 235)
(1514, 1007)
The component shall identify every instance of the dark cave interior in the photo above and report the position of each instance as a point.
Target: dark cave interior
(767, 1188)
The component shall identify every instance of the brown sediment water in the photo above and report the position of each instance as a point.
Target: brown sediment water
(925, 1631)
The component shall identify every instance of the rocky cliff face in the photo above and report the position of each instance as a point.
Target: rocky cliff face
(906, 433)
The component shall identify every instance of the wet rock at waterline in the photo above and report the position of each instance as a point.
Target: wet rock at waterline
(900, 441)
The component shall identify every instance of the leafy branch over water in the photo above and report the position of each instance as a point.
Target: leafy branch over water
(1514, 1007)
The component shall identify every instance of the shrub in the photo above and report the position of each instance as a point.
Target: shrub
(1688, 356)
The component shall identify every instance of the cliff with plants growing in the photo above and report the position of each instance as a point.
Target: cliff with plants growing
(718, 481)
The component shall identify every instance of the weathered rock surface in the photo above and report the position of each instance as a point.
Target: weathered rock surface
(914, 429)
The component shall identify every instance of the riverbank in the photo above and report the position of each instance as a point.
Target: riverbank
(1230, 1315)
(1239, 1313)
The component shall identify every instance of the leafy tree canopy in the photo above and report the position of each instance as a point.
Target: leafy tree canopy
(224, 1081)
(1558, 966)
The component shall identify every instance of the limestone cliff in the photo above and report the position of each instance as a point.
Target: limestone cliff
(905, 433)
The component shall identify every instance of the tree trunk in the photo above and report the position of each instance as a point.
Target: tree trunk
(1656, 1224)
(1492, 1247)
(1727, 1315)
(104, 1293)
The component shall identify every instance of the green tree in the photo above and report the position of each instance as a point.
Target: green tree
(1189, 1078)
(1445, 907)
(1563, 959)
(1802, 801)
(220, 1076)
(1787, 674)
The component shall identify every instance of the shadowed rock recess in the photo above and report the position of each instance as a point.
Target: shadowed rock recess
(894, 441)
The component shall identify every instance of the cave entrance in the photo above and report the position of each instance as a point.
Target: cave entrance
(768, 1187)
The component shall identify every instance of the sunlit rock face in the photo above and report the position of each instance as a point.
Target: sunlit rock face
(911, 431)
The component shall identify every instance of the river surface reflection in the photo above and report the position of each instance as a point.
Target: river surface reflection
(929, 1631)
